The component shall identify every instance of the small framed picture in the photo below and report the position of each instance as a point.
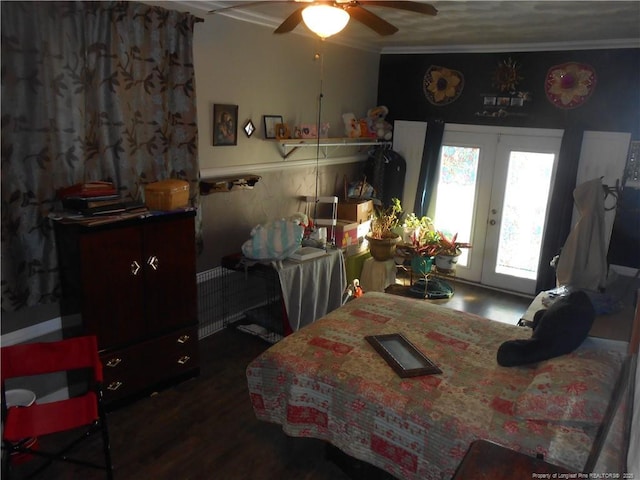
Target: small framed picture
(308, 130)
(282, 131)
(270, 122)
(489, 100)
(225, 125)
(249, 128)
(504, 101)
(517, 102)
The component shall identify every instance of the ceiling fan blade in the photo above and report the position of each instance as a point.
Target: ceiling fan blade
(416, 7)
(290, 22)
(371, 20)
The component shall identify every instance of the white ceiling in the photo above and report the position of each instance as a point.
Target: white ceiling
(470, 25)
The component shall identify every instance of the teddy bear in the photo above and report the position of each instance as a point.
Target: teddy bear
(378, 126)
(351, 125)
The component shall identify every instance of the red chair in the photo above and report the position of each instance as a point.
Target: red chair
(84, 412)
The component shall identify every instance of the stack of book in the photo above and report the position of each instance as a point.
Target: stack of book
(96, 198)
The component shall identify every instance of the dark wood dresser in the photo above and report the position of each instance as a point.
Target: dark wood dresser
(132, 283)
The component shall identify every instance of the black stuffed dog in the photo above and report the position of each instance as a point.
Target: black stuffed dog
(556, 331)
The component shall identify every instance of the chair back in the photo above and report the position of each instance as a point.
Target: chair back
(48, 357)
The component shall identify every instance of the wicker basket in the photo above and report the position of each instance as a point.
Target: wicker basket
(167, 195)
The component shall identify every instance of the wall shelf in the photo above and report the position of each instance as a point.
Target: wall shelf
(237, 182)
(289, 146)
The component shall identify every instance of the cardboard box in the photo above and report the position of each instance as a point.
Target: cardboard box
(351, 233)
(355, 210)
(167, 195)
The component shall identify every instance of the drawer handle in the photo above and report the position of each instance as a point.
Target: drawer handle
(183, 338)
(114, 362)
(113, 386)
(183, 360)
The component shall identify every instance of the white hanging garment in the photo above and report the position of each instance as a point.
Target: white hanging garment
(583, 260)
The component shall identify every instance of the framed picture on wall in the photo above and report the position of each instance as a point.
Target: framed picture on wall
(225, 125)
(270, 122)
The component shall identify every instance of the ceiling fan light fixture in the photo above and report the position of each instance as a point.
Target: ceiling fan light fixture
(325, 20)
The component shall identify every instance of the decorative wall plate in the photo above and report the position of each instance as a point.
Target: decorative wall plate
(442, 85)
(570, 85)
(507, 75)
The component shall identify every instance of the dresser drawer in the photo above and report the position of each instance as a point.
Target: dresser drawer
(170, 356)
(140, 367)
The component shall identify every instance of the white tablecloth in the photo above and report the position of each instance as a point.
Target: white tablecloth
(312, 288)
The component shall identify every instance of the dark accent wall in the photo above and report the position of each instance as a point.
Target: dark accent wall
(613, 106)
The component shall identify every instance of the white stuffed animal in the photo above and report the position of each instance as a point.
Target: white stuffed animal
(351, 125)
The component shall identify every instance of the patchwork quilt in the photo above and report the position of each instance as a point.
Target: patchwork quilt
(327, 382)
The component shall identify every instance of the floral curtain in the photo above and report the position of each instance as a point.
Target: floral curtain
(90, 91)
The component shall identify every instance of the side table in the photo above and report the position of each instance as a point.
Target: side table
(376, 275)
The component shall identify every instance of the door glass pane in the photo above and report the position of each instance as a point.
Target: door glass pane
(455, 202)
(523, 213)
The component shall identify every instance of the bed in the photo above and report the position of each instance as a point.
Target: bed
(327, 382)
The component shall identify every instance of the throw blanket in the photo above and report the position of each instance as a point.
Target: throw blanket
(325, 381)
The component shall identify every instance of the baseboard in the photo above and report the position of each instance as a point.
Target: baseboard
(34, 331)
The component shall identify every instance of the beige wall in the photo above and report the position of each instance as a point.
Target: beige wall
(265, 74)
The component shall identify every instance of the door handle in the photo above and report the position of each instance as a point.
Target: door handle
(492, 222)
(494, 211)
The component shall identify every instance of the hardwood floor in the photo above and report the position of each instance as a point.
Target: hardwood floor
(493, 304)
(205, 428)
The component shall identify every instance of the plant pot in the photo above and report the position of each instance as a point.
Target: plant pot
(447, 263)
(421, 265)
(383, 249)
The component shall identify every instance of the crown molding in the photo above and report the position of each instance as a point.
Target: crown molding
(515, 47)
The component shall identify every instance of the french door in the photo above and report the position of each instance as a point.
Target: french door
(493, 191)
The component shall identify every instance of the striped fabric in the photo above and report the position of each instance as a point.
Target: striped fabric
(273, 241)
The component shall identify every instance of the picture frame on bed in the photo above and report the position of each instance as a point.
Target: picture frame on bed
(401, 355)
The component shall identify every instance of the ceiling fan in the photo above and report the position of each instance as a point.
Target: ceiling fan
(354, 9)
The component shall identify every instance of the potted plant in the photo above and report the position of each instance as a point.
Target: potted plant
(382, 237)
(430, 245)
(424, 243)
(448, 251)
(414, 227)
